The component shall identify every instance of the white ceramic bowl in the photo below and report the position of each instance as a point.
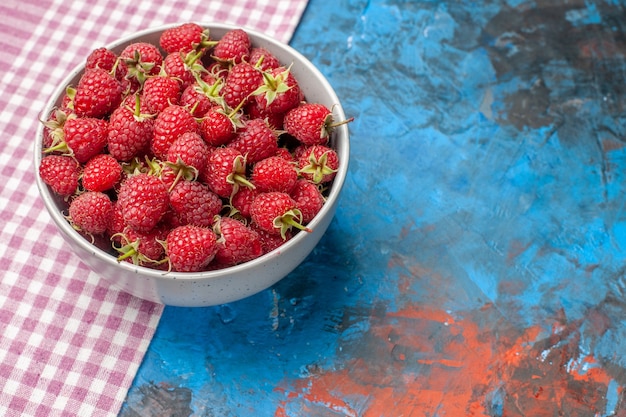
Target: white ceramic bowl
(229, 284)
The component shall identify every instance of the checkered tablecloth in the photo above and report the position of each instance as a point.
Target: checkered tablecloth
(70, 345)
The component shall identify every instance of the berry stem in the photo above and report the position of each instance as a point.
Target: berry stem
(342, 122)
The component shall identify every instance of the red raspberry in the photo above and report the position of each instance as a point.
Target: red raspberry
(184, 38)
(206, 92)
(142, 60)
(279, 93)
(129, 132)
(276, 213)
(233, 47)
(97, 93)
(242, 200)
(101, 173)
(188, 155)
(90, 212)
(168, 175)
(270, 241)
(159, 92)
(191, 248)
(194, 203)
(310, 123)
(107, 60)
(225, 171)
(170, 220)
(61, 173)
(309, 199)
(143, 200)
(240, 83)
(274, 174)
(101, 58)
(116, 225)
(285, 154)
(318, 163)
(182, 68)
(218, 128)
(142, 248)
(256, 140)
(274, 120)
(53, 130)
(269, 59)
(85, 137)
(237, 243)
(168, 126)
(194, 99)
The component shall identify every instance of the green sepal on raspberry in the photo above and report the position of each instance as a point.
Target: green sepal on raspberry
(291, 218)
(273, 85)
(319, 164)
(144, 249)
(211, 91)
(142, 60)
(54, 130)
(238, 176)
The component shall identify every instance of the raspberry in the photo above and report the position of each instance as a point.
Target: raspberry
(194, 99)
(60, 173)
(142, 248)
(309, 123)
(318, 163)
(237, 242)
(129, 132)
(116, 225)
(266, 58)
(279, 92)
(188, 155)
(97, 94)
(309, 199)
(85, 137)
(143, 200)
(233, 48)
(90, 212)
(256, 140)
(168, 126)
(241, 201)
(240, 83)
(159, 92)
(190, 248)
(274, 174)
(142, 59)
(184, 38)
(226, 172)
(182, 68)
(101, 58)
(276, 213)
(101, 173)
(217, 127)
(194, 203)
(270, 241)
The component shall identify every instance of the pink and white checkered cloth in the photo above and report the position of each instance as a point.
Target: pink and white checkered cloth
(70, 345)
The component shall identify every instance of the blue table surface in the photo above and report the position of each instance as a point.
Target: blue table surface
(475, 266)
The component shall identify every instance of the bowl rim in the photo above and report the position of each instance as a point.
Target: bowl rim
(331, 200)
